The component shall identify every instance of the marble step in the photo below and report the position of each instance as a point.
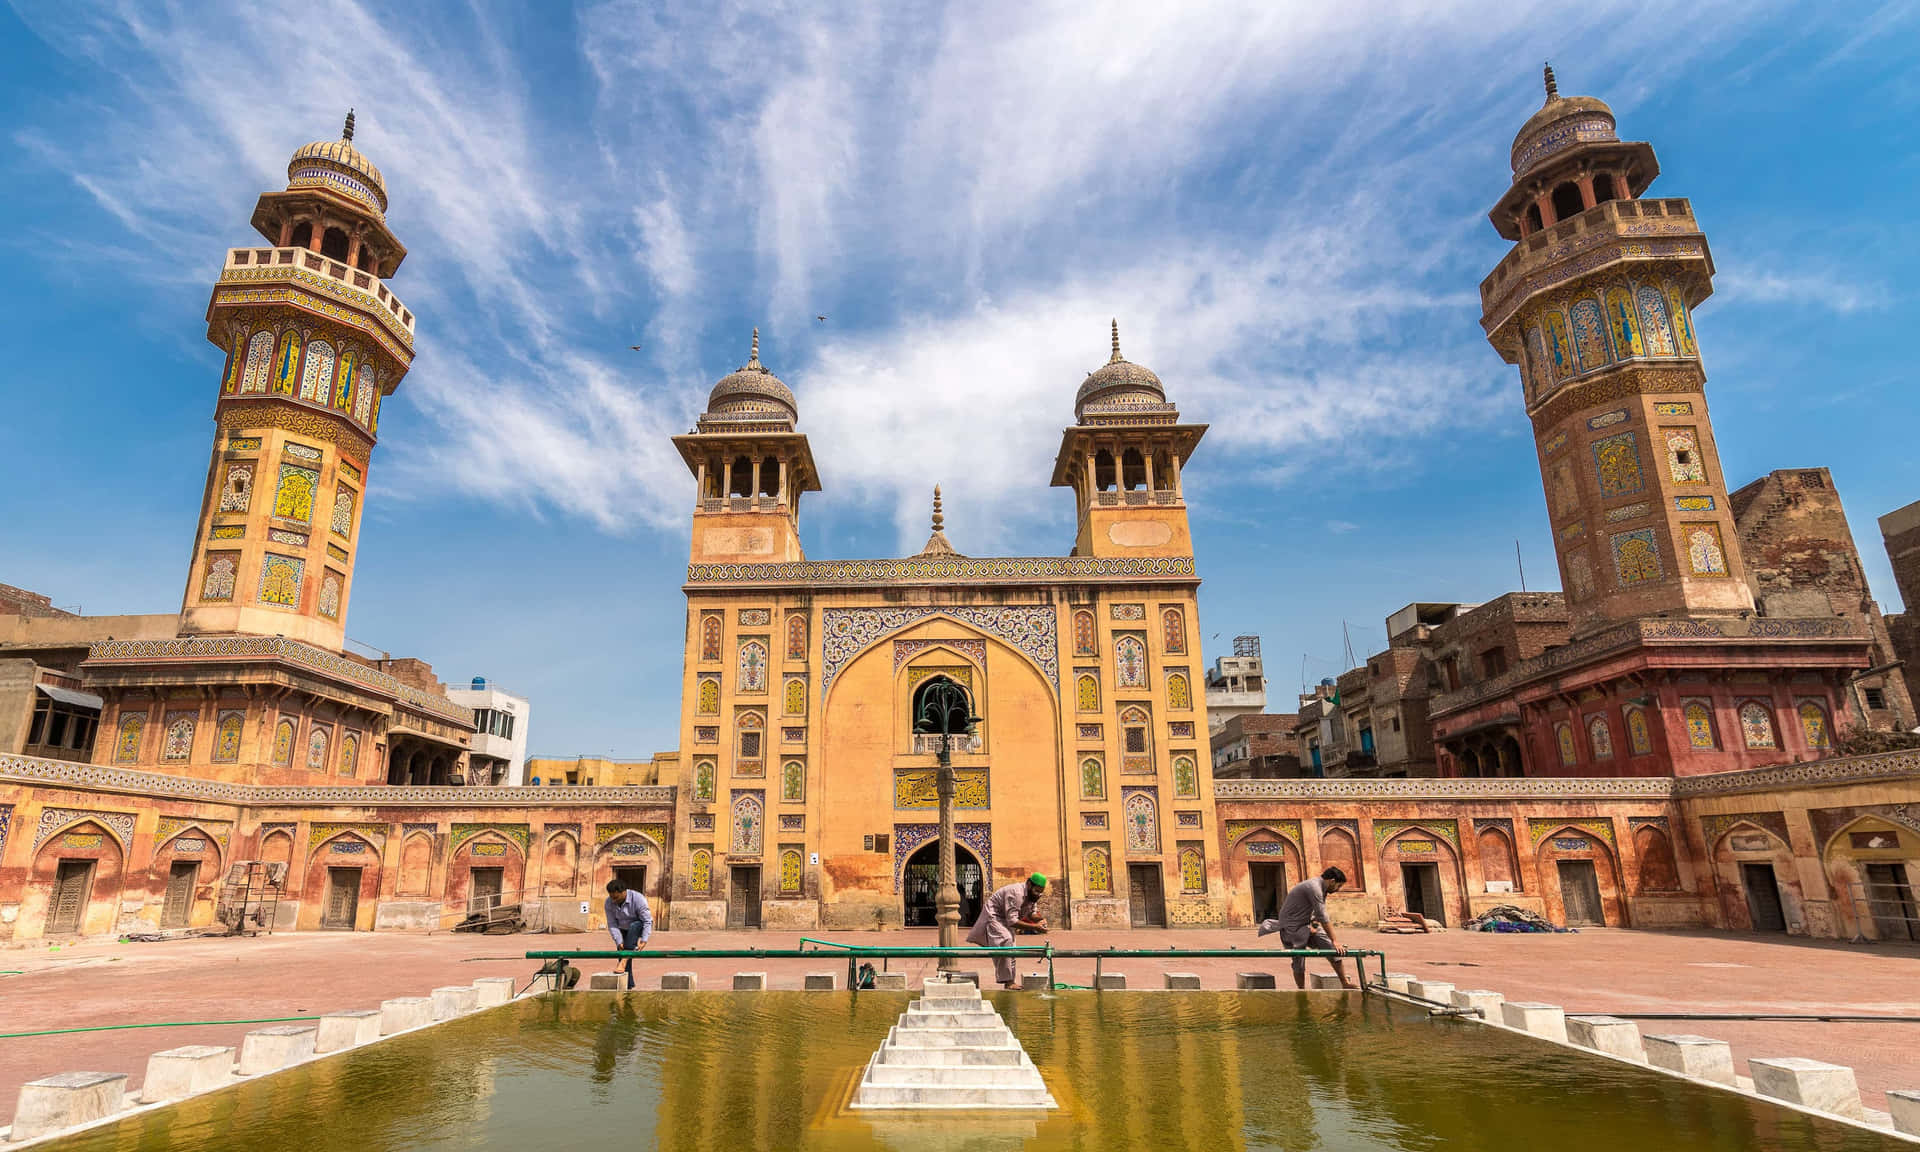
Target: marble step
(938, 1057)
(950, 1096)
(1012, 1076)
(915, 1020)
(991, 1037)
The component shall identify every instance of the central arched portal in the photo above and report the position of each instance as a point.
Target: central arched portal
(922, 882)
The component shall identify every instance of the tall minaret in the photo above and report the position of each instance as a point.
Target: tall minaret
(750, 467)
(1122, 458)
(314, 340)
(1594, 303)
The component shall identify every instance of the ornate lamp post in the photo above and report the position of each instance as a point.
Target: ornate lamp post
(944, 711)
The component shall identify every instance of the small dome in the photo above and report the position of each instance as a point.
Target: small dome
(1120, 381)
(1561, 123)
(750, 392)
(338, 165)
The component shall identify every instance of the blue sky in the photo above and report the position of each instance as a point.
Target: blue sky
(1284, 204)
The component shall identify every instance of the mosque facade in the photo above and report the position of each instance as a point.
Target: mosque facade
(241, 738)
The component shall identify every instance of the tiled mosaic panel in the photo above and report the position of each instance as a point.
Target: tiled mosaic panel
(1636, 557)
(849, 631)
(1141, 814)
(1616, 462)
(280, 580)
(908, 838)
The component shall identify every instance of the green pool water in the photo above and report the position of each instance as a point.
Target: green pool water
(773, 1070)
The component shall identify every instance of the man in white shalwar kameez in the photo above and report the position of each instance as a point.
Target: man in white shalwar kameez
(1011, 908)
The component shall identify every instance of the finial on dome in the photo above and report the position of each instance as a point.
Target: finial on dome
(938, 520)
(937, 543)
(1115, 358)
(753, 359)
(1553, 89)
(346, 131)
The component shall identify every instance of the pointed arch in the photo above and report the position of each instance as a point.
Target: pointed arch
(1498, 861)
(416, 865)
(560, 864)
(317, 376)
(1339, 848)
(259, 362)
(1659, 871)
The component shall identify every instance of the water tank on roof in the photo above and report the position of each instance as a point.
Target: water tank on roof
(1326, 681)
(479, 683)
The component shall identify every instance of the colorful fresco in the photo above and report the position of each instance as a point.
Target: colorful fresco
(1636, 557)
(1706, 555)
(1653, 321)
(1590, 334)
(1616, 461)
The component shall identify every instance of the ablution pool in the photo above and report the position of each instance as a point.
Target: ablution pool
(1202, 1070)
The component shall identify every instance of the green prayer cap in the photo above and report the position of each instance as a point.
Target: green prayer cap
(1037, 880)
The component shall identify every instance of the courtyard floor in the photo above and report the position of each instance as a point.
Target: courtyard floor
(97, 983)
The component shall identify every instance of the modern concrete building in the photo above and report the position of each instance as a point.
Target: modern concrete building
(499, 733)
(1237, 684)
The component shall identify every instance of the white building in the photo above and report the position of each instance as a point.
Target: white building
(1236, 685)
(500, 733)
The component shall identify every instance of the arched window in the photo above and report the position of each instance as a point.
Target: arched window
(752, 667)
(1134, 468)
(1173, 632)
(750, 742)
(1699, 720)
(1468, 762)
(1639, 739)
(1087, 692)
(1756, 725)
(796, 637)
(1093, 779)
(709, 638)
(349, 755)
(1601, 737)
(317, 738)
(709, 699)
(1566, 201)
(796, 696)
(927, 704)
(1134, 734)
(283, 743)
(1193, 870)
(1143, 823)
(333, 244)
(179, 742)
(302, 235)
(1813, 725)
(1179, 692)
(769, 477)
(700, 871)
(1130, 662)
(747, 822)
(365, 263)
(793, 782)
(1084, 637)
(1569, 755)
(742, 477)
(790, 874)
(1099, 870)
(1186, 781)
(1104, 477)
(703, 780)
(1603, 189)
(226, 737)
(1533, 218)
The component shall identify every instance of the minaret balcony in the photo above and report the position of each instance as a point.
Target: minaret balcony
(362, 290)
(1581, 243)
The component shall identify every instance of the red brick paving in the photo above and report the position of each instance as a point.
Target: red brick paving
(1600, 971)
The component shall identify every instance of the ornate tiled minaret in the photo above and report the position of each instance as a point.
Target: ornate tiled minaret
(750, 468)
(1594, 303)
(314, 340)
(1122, 458)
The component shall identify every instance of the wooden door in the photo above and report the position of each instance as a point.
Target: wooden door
(1890, 902)
(1421, 885)
(484, 893)
(1269, 889)
(1580, 894)
(743, 902)
(71, 886)
(1763, 898)
(633, 876)
(343, 899)
(1145, 905)
(179, 906)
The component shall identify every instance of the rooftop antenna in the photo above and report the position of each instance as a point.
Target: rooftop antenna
(1522, 565)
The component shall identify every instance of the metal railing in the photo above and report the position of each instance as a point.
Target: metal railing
(1885, 906)
(854, 953)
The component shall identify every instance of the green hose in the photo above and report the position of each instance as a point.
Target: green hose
(170, 1024)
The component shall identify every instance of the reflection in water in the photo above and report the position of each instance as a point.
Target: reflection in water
(1146, 1071)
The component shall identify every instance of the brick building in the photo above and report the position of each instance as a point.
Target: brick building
(1256, 746)
(1900, 531)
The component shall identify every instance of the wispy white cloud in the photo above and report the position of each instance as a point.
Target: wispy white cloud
(1789, 282)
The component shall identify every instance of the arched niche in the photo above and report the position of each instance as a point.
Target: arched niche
(1564, 861)
(76, 882)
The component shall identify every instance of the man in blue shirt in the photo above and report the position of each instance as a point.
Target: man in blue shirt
(629, 921)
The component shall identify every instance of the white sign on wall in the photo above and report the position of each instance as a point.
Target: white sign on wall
(583, 907)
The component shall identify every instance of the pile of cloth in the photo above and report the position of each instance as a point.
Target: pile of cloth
(1408, 922)
(1507, 918)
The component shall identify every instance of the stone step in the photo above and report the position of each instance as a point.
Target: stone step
(950, 1020)
(949, 1057)
(949, 1003)
(994, 1037)
(950, 1096)
(1014, 1076)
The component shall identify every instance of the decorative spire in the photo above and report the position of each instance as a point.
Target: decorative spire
(753, 359)
(1115, 358)
(346, 132)
(1553, 89)
(937, 544)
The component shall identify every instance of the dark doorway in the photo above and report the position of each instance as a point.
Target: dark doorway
(1147, 907)
(921, 885)
(1890, 901)
(1269, 888)
(1421, 882)
(484, 893)
(634, 876)
(1763, 898)
(71, 886)
(343, 899)
(743, 897)
(179, 906)
(1580, 894)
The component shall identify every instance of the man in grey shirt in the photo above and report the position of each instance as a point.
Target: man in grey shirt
(1303, 923)
(629, 921)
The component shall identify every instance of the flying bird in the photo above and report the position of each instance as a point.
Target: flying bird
(822, 319)
(635, 347)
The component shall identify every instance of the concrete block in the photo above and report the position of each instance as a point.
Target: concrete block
(271, 1049)
(404, 1012)
(678, 982)
(341, 1030)
(1697, 1056)
(1110, 982)
(1246, 981)
(749, 981)
(820, 982)
(57, 1102)
(1036, 982)
(1324, 981)
(1609, 1034)
(1398, 981)
(1438, 991)
(606, 981)
(1183, 981)
(1903, 1104)
(889, 981)
(180, 1072)
(494, 990)
(968, 977)
(1548, 1021)
(1808, 1083)
(1485, 1002)
(455, 1000)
